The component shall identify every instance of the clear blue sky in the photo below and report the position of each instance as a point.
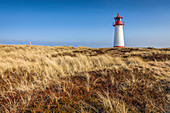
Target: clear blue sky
(84, 22)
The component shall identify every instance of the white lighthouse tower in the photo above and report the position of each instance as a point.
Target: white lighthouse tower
(118, 37)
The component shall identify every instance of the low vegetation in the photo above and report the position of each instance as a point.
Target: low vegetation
(68, 79)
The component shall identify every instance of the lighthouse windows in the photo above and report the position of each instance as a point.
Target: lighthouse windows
(118, 19)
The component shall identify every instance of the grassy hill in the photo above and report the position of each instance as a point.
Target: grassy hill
(68, 79)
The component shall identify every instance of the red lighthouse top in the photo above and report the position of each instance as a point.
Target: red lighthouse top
(118, 16)
(118, 20)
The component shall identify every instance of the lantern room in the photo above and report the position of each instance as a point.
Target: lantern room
(118, 20)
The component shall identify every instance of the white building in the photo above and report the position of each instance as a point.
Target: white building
(118, 37)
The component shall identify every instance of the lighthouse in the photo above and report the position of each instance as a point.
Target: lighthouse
(118, 36)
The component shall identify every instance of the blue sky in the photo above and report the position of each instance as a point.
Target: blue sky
(84, 22)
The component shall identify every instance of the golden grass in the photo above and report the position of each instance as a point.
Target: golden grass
(68, 79)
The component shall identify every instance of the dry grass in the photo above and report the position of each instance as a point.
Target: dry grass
(68, 79)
